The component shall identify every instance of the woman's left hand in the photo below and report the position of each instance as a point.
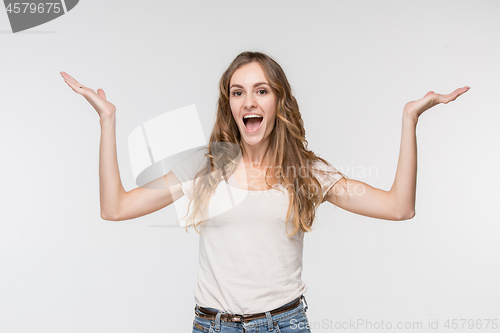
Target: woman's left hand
(414, 109)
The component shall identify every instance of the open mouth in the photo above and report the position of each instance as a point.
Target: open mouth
(252, 123)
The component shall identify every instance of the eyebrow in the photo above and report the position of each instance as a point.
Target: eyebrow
(255, 85)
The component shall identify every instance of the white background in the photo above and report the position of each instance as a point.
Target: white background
(353, 66)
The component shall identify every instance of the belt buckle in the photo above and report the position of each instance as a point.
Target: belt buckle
(240, 317)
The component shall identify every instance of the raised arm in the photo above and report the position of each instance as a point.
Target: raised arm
(117, 204)
(399, 202)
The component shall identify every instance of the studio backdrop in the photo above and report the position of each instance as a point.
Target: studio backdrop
(352, 65)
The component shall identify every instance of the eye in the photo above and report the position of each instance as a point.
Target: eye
(235, 92)
(264, 90)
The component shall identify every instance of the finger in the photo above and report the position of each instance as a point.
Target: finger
(71, 79)
(450, 97)
(71, 84)
(101, 93)
(68, 79)
(460, 91)
(78, 89)
(429, 93)
(464, 89)
(445, 99)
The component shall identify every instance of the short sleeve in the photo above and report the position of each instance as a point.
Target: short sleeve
(186, 170)
(327, 179)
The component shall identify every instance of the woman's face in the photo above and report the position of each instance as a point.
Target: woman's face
(250, 94)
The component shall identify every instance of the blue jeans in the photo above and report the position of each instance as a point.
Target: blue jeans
(292, 321)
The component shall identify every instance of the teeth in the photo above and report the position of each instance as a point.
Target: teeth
(251, 116)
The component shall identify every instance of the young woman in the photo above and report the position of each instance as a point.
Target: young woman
(250, 259)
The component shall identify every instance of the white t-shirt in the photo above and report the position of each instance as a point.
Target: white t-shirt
(247, 262)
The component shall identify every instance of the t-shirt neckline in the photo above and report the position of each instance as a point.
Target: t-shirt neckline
(237, 188)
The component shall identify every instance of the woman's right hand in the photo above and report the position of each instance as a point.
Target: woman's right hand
(98, 100)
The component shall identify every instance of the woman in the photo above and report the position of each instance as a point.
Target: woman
(250, 263)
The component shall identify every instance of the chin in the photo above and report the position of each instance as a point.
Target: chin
(253, 141)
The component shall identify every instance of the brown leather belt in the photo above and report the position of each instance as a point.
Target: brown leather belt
(210, 315)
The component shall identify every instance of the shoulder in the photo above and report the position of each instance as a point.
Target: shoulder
(323, 167)
(190, 164)
(326, 174)
(192, 161)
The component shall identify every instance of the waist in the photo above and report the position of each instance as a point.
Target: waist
(211, 314)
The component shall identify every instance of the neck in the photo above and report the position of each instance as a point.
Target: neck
(256, 154)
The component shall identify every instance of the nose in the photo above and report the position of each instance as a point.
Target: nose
(250, 101)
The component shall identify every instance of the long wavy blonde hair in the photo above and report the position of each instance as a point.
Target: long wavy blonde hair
(287, 149)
